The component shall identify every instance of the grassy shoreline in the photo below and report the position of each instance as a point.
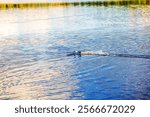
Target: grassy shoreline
(65, 4)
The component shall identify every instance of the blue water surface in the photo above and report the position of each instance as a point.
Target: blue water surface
(34, 44)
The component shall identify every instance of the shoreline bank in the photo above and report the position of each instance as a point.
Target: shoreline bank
(65, 4)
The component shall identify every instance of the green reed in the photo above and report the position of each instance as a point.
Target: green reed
(65, 4)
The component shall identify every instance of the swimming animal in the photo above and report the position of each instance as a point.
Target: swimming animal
(100, 53)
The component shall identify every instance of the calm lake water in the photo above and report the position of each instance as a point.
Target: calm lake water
(34, 44)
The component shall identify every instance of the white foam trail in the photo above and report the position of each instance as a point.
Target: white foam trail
(94, 53)
(101, 53)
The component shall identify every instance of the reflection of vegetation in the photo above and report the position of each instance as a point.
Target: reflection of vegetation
(88, 3)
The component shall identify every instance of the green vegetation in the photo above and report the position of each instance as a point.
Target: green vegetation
(64, 4)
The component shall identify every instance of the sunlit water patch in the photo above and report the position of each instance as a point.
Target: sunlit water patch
(34, 44)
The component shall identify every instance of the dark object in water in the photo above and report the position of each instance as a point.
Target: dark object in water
(79, 53)
(74, 53)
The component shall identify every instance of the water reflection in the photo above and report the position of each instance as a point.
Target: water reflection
(34, 43)
(28, 70)
(36, 81)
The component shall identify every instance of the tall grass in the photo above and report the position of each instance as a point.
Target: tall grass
(65, 4)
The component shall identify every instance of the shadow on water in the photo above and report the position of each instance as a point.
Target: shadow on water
(66, 4)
